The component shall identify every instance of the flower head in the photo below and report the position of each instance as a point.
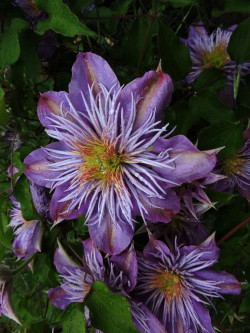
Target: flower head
(209, 51)
(121, 278)
(236, 168)
(110, 162)
(177, 285)
(32, 14)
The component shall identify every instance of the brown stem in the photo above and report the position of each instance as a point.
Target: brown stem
(231, 232)
(11, 160)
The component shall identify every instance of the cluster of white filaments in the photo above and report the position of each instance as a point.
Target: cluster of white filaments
(107, 161)
(210, 51)
(170, 285)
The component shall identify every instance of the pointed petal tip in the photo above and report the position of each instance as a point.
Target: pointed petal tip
(159, 68)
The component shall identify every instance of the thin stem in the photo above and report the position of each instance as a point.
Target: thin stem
(23, 265)
(11, 160)
(231, 232)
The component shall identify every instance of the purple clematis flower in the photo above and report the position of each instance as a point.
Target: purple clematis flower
(77, 281)
(208, 51)
(29, 233)
(32, 14)
(236, 168)
(110, 163)
(178, 285)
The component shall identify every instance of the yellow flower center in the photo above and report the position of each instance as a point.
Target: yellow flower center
(101, 161)
(232, 165)
(169, 284)
(217, 58)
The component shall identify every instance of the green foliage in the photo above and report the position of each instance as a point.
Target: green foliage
(239, 45)
(23, 195)
(73, 319)
(9, 44)
(109, 312)
(222, 134)
(61, 19)
(174, 54)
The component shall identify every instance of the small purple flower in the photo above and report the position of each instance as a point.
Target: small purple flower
(178, 285)
(236, 168)
(77, 281)
(208, 51)
(110, 163)
(29, 233)
(32, 14)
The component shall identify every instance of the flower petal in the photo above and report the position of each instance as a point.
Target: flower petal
(62, 261)
(190, 163)
(127, 263)
(152, 93)
(87, 70)
(204, 317)
(111, 237)
(50, 105)
(227, 282)
(58, 297)
(37, 165)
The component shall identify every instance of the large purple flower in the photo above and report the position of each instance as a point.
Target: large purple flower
(122, 277)
(110, 163)
(178, 285)
(208, 51)
(236, 168)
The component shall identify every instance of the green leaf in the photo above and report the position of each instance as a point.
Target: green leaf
(4, 117)
(3, 238)
(175, 55)
(219, 134)
(109, 312)
(61, 20)
(31, 62)
(239, 44)
(228, 6)
(9, 44)
(73, 319)
(23, 195)
(208, 106)
(210, 79)
(134, 43)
